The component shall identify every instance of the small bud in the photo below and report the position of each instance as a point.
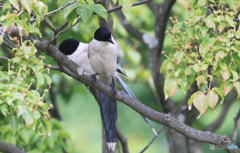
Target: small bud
(210, 47)
(18, 41)
(27, 73)
(45, 90)
(175, 17)
(170, 28)
(189, 9)
(163, 52)
(170, 18)
(12, 67)
(205, 8)
(195, 47)
(14, 87)
(226, 9)
(166, 32)
(175, 43)
(15, 12)
(42, 57)
(223, 44)
(205, 82)
(211, 5)
(27, 99)
(232, 60)
(41, 98)
(235, 23)
(50, 105)
(195, 8)
(32, 80)
(49, 66)
(20, 34)
(174, 22)
(34, 41)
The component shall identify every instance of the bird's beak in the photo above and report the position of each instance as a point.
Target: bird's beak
(110, 40)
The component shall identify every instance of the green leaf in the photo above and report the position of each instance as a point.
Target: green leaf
(227, 88)
(18, 95)
(201, 2)
(85, 13)
(188, 70)
(14, 124)
(25, 135)
(21, 110)
(221, 26)
(238, 34)
(183, 84)
(235, 75)
(36, 114)
(40, 79)
(237, 86)
(44, 128)
(170, 87)
(210, 23)
(4, 109)
(28, 117)
(4, 76)
(232, 4)
(204, 46)
(204, 66)
(99, 10)
(28, 5)
(223, 66)
(9, 101)
(204, 31)
(212, 99)
(225, 75)
(179, 56)
(66, 11)
(229, 19)
(219, 92)
(15, 4)
(199, 80)
(196, 67)
(164, 65)
(66, 146)
(200, 103)
(64, 135)
(220, 55)
(177, 27)
(190, 101)
(49, 80)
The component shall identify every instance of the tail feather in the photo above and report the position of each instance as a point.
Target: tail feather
(108, 108)
(130, 93)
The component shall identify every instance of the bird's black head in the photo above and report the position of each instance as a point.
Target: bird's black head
(103, 34)
(68, 46)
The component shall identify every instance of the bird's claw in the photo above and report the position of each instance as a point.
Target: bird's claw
(94, 77)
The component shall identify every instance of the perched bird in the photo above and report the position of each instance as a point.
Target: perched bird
(78, 53)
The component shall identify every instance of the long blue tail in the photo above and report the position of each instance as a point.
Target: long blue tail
(130, 93)
(108, 109)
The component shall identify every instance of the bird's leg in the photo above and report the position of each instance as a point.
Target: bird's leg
(114, 90)
(94, 77)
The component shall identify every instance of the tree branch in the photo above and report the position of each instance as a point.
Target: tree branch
(49, 25)
(153, 7)
(9, 148)
(234, 135)
(123, 140)
(162, 118)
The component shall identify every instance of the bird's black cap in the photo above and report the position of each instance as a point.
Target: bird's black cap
(103, 34)
(68, 46)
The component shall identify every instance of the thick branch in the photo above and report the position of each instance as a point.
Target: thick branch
(165, 119)
(234, 135)
(9, 148)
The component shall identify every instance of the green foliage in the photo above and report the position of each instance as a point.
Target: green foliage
(27, 122)
(206, 50)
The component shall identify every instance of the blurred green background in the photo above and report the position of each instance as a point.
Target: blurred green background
(78, 108)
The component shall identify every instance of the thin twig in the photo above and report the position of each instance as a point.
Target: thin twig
(234, 135)
(13, 45)
(5, 58)
(52, 68)
(7, 44)
(49, 25)
(160, 129)
(60, 8)
(64, 31)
